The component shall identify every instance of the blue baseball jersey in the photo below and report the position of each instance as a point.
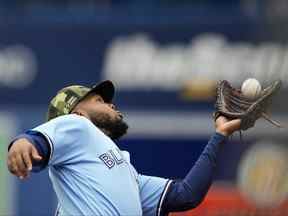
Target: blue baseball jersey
(92, 176)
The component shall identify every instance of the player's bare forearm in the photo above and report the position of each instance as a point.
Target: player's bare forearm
(20, 157)
(227, 127)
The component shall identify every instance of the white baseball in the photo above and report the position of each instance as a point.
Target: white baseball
(251, 88)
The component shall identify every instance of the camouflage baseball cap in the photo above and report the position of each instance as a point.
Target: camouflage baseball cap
(67, 98)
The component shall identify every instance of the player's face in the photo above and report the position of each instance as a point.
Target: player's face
(105, 116)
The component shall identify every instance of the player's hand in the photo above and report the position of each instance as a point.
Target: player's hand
(227, 127)
(20, 157)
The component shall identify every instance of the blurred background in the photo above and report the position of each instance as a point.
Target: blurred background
(164, 57)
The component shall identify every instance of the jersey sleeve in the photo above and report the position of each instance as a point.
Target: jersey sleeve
(152, 189)
(66, 137)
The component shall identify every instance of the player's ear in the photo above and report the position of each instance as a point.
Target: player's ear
(77, 113)
(81, 109)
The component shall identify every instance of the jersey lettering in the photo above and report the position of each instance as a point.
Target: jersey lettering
(111, 158)
(108, 160)
(117, 156)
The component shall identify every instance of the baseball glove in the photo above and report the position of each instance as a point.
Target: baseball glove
(231, 103)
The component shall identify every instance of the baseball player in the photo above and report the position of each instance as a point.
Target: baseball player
(89, 172)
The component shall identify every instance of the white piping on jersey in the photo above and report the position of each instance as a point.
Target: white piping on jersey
(163, 197)
(57, 210)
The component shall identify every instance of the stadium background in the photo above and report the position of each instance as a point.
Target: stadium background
(45, 45)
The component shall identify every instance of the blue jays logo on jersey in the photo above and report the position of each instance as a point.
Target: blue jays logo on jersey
(111, 158)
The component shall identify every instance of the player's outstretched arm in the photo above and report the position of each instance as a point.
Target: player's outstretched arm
(28, 152)
(188, 193)
(21, 155)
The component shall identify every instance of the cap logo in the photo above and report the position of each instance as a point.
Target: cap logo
(71, 101)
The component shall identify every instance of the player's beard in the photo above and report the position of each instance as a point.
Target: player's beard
(114, 128)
